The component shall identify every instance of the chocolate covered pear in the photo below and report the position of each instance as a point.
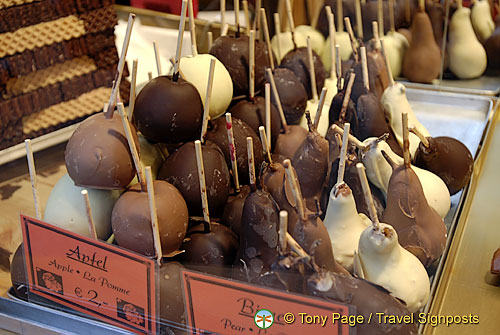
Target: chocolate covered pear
(180, 169)
(448, 158)
(169, 109)
(233, 211)
(97, 154)
(492, 46)
(290, 141)
(420, 228)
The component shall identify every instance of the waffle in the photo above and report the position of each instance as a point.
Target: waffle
(57, 63)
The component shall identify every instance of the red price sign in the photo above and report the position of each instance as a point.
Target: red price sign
(221, 306)
(93, 277)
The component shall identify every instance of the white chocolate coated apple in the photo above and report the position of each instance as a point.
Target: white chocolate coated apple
(394, 102)
(66, 208)
(317, 39)
(379, 172)
(386, 263)
(196, 70)
(344, 224)
(396, 45)
(312, 107)
(286, 43)
(467, 57)
(481, 20)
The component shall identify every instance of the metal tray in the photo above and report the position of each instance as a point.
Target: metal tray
(485, 85)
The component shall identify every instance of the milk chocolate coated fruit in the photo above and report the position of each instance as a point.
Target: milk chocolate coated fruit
(259, 234)
(449, 159)
(131, 219)
(368, 299)
(213, 248)
(181, 170)
(288, 143)
(169, 111)
(422, 61)
(420, 229)
(233, 53)
(297, 62)
(171, 296)
(253, 113)
(97, 154)
(293, 95)
(241, 130)
(495, 263)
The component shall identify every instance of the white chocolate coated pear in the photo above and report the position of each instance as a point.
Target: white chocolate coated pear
(312, 107)
(379, 172)
(286, 43)
(66, 208)
(317, 39)
(467, 57)
(195, 69)
(344, 224)
(342, 39)
(394, 102)
(150, 156)
(481, 20)
(396, 45)
(386, 263)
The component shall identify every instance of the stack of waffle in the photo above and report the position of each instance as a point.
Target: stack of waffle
(57, 64)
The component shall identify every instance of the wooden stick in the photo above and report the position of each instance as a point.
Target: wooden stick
(267, 39)
(320, 107)
(338, 138)
(179, 40)
(258, 17)
(225, 29)
(133, 83)
(277, 99)
(352, 39)
(247, 16)
(406, 141)
(352, 139)
(34, 183)
(251, 64)
(387, 64)
(443, 43)
(376, 35)
(88, 210)
(295, 246)
(316, 14)
(267, 97)
(380, 17)
(421, 136)
(232, 151)
(201, 178)
(297, 193)
(206, 111)
(265, 144)
(340, 17)
(343, 153)
(132, 147)
(277, 32)
(407, 11)
(359, 20)
(157, 58)
(222, 15)
(251, 161)
(421, 4)
(283, 230)
(119, 69)
(347, 96)
(291, 24)
(312, 71)
(331, 29)
(154, 215)
(192, 29)
(237, 16)
(210, 40)
(338, 66)
(368, 195)
(391, 16)
(364, 64)
(150, 75)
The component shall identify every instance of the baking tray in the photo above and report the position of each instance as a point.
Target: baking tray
(486, 85)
